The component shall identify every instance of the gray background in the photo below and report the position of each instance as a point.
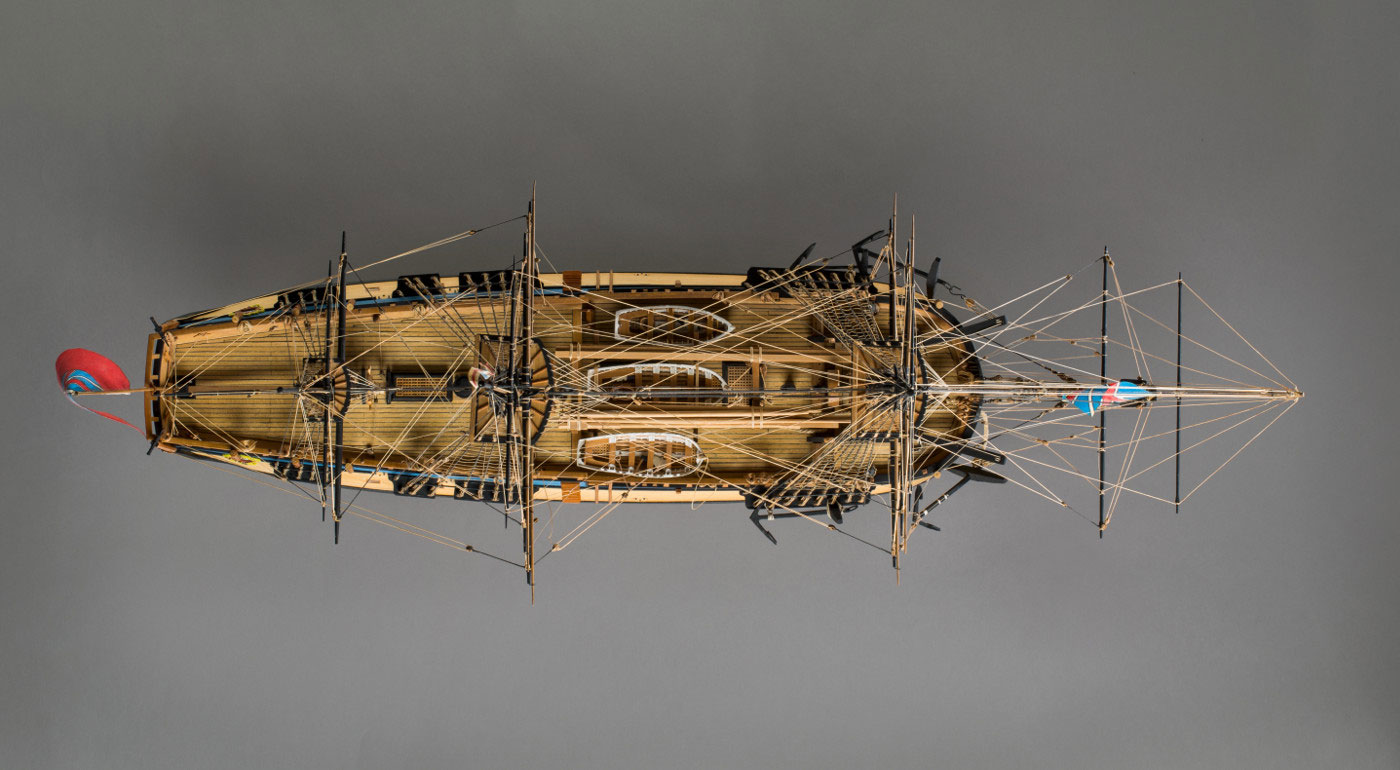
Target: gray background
(160, 158)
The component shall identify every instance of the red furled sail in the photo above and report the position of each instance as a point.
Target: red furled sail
(83, 371)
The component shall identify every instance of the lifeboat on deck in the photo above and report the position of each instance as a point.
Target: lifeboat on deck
(674, 325)
(641, 455)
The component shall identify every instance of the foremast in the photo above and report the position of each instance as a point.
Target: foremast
(337, 398)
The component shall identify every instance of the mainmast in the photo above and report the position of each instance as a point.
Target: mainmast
(333, 414)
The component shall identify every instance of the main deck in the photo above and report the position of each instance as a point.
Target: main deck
(671, 387)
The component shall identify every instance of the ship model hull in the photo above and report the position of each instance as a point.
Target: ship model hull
(802, 392)
(626, 387)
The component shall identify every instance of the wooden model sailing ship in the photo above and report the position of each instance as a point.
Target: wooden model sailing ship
(803, 391)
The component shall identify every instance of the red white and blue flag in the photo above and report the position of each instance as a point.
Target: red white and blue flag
(1092, 400)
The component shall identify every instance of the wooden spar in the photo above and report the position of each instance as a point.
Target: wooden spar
(327, 397)
(126, 392)
(336, 415)
(1103, 380)
(1059, 390)
(908, 427)
(527, 448)
(1176, 499)
(896, 456)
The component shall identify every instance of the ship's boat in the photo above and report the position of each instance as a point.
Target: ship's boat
(804, 391)
(641, 455)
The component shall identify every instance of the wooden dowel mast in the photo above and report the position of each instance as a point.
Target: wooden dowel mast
(338, 418)
(1103, 381)
(1176, 499)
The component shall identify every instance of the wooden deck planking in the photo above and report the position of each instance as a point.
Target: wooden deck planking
(434, 342)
